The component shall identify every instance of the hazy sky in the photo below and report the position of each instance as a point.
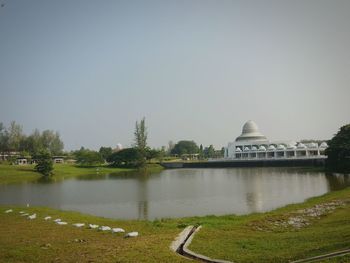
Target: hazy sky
(195, 69)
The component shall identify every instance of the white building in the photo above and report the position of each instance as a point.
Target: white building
(251, 144)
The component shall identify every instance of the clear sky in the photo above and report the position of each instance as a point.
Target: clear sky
(195, 69)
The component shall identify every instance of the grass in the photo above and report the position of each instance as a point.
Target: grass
(23, 240)
(237, 239)
(225, 237)
(25, 173)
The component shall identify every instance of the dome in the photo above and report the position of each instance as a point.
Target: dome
(118, 147)
(238, 149)
(291, 146)
(271, 147)
(301, 146)
(281, 147)
(254, 148)
(246, 149)
(324, 145)
(250, 131)
(313, 145)
(262, 148)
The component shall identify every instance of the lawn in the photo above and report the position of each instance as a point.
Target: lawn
(26, 173)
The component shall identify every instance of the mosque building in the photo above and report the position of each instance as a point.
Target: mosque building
(253, 145)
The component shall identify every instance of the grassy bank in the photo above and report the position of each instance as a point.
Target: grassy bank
(24, 240)
(270, 237)
(26, 173)
(251, 238)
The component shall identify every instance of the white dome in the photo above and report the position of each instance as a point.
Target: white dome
(250, 131)
(238, 149)
(271, 147)
(246, 149)
(281, 147)
(313, 145)
(324, 145)
(301, 146)
(254, 148)
(262, 148)
(119, 147)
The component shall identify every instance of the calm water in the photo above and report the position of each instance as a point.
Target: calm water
(176, 193)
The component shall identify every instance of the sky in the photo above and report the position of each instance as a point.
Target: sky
(195, 69)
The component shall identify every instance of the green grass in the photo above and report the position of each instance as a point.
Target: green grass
(23, 240)
(236, 238)
(25, 173)
(224, 237)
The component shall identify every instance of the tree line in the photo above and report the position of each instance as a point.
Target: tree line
(13, 139)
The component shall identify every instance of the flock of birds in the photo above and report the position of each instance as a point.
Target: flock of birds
(59, 221)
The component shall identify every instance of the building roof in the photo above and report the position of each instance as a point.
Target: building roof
(250, 131)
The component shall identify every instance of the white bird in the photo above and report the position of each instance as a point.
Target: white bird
(9, 211)
(105, 228)
(61, 223)
(21, 212)
(132, 234)
(26, 214)
(118, 230)
(57, 220)
(92, 226)
(33, 216)
(79, 224)
(47, 218)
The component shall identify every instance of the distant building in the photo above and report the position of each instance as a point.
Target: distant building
(118, 148)
(251, 144)
(58, 159)
(21, 161)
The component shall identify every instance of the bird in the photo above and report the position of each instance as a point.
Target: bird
(57, 220)
(132, 234)
(79, 224)
(118, 230)
(48, 217)
(61, 223)
(33, 216)
(105, 228)
(9, 211)
(21, 212)
(92, 226)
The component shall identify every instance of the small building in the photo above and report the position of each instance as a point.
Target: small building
(21, 161)
(58, 159)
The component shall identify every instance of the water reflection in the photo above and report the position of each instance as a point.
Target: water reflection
(176, 193)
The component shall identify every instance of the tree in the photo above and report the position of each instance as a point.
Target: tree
(51, 141)
(44, 163)
(129, 157)
(141, 135)
(152, 154)
(141, 139)
(88, 157)
(185, 147)
(338, 151)
(105, 152)
(209, 152)
(4, 137)
(15, 135)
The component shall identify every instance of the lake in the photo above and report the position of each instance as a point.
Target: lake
(176, 193)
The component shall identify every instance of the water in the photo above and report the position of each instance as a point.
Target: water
(176, 193)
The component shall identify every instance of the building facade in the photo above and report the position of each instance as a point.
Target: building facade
(251, 144)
